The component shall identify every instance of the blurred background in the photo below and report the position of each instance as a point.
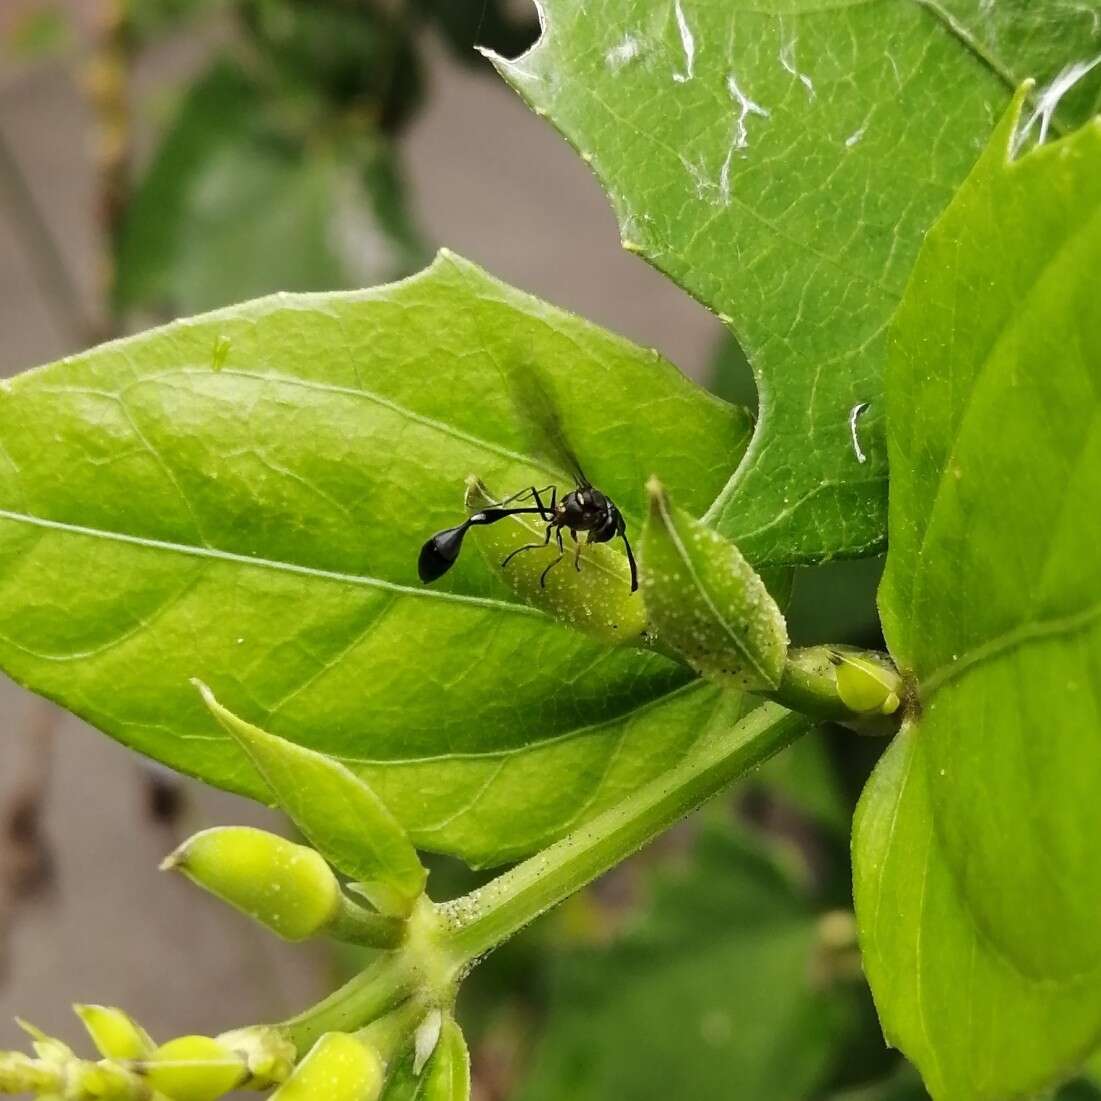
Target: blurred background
(162, 157)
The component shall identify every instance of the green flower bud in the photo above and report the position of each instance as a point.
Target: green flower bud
(21, 1074)
(597, 600)
(867, 686)
(115, 1034)
(268, 1055)
(194, 1068)
(707, 602)
(287, 887)
(338, 1068)
(105, 1081)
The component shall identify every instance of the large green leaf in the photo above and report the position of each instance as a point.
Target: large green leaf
(978, 885)
(780, 160)
(241, 498)
(715, 990)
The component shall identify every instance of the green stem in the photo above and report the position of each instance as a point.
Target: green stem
(354, 925)
(373, 992)
(390, 1035)
(480, 921)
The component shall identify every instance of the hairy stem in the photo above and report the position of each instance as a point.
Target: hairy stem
(386, 983)
(480, 921)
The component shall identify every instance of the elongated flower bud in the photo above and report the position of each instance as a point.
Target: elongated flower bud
(195, 1068)
(596, 598)
(338, 1068)
(287, 887)
(115, 1034)
(707, 602)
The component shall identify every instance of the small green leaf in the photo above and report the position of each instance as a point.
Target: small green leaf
(115, 1033)
(342, 817)
(706, 601)
(977, 881)
(445, 1076)
(781, 160)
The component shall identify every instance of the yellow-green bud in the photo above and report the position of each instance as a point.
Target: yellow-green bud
(194, 1068)
(268, 1055)
(597, 600)
(21, 1074)
(867, 686)
(287, 887)
(338, 1068)
(115, 1034)
(106, 1081)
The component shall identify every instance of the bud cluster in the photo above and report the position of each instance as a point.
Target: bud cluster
(389, 1031)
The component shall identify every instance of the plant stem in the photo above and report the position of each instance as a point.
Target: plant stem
(353, 924)
(387, 982)
(480, 921)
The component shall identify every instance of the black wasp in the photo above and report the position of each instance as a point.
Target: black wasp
(584, 509)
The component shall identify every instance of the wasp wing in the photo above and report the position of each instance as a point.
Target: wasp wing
(540, 413)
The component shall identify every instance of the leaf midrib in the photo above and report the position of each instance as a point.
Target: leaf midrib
(315, 572)
(732, 634)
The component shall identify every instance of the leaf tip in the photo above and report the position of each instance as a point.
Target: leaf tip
(655, 491)
(476, 495)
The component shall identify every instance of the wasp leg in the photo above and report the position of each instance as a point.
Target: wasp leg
(527, 546)
(631, 562)
(561, 555)
(533, 493)
(577, 551)
(543, 575)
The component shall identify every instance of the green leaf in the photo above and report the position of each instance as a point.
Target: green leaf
(977, 882)
(781, 160)
(234, 206)
(714, 989)
(242, 497)
(446, 1076)
(339, 814)
(706, 602)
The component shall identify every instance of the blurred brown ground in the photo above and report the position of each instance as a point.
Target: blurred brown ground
(492, 182)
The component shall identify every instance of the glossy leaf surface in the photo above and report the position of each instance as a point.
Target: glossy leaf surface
(241, 498)
(781, 160)
(977, 880)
